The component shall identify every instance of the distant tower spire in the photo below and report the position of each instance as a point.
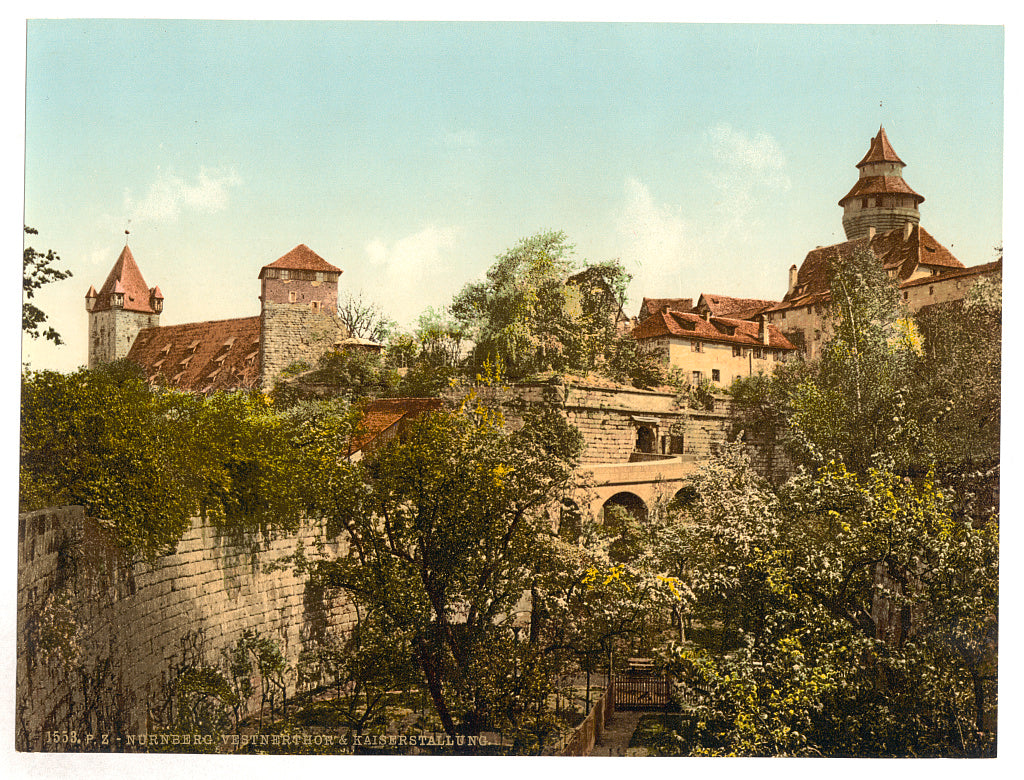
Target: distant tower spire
(880, 199)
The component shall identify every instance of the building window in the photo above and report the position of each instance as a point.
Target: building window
(906, 295)
(696, 377)
(292, 296)
(716, 375)
(316, 306)
(284, 274)
(737, 351)
(696, 346)
(931, 289)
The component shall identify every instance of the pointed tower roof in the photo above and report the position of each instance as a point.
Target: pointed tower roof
(302, 258)
(126, 279)
(880, 150)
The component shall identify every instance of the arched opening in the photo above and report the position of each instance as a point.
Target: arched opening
(631, 503)
(685, 497)
(646, 441)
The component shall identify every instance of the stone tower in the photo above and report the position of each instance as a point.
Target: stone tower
(299, 311)
(122, 307)
(880, 199)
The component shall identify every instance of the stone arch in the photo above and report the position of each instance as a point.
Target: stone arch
(683, 497)
(630, 502)
(646, 439)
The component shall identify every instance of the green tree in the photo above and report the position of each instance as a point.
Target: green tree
(145, 461)
(538, 311)
(866, 616)
(442, 530)
(38, 270)
(342, 373)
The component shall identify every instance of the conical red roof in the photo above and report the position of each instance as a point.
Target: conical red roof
(125, 278)
(880, 150)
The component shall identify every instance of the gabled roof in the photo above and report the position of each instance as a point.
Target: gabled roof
(880, 150)
(651, 305)
(726, 330)
(727, 306)
(896, 252)
(126, 279)
(302, 258)
(201, 357)
(383, 414)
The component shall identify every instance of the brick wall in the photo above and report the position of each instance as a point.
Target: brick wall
(139, 622)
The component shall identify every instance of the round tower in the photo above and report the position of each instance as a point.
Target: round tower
(880, 199)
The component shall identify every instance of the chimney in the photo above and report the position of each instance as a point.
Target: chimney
(908, 229)
(765, 339)
(792, 279)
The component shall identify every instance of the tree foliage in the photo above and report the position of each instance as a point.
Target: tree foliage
(443, 529)
(538, 311)
(38, 270)
(145, 461)
(864, 615)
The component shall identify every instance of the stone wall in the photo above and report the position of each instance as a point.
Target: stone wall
(609, 418)
(291, 332)
(139, 624)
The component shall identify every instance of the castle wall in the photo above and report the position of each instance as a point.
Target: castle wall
(139, 625)
(610, 419)
(112, 333)
(291, 332)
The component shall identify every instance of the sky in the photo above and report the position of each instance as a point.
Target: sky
(705, 157)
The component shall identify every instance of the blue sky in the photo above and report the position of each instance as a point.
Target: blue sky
(707, 158)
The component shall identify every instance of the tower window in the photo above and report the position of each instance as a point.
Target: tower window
(316, 306)
(292, 296)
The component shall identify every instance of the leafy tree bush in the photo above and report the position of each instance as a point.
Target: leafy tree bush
(38, 270)
(443, 528)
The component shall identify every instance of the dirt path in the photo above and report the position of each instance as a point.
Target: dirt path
(618, 732)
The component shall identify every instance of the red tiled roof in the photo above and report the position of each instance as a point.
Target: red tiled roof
(381, 414)
(302, 258)
(201, 357)
(974, 270)
(880, 185)
(880, 150)
(651, 305)
(727, 306)
(720, 329)
(125, 278)
(896, 253)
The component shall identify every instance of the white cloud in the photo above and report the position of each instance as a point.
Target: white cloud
(170, 194)
(657, 241)
(747, 170)
(413, 272)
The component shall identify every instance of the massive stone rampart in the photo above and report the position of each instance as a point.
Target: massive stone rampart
(100, 641)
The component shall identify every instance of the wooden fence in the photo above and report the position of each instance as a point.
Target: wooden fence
(590, 731)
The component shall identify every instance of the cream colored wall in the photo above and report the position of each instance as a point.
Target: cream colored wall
(677, 353)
